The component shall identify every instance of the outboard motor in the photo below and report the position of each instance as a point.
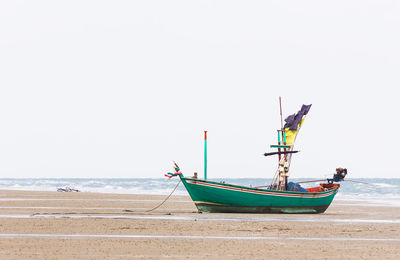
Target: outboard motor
(338, 176)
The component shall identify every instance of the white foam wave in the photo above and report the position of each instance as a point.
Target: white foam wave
(385, 185)
(378, 189)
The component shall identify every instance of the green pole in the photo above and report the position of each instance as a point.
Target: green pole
(205, 155)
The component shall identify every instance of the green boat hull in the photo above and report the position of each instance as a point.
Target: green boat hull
(215, 197)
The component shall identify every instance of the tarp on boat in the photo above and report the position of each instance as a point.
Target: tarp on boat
(293, 123)
(295, 187)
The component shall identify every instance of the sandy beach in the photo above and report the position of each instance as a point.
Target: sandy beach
(56, 225)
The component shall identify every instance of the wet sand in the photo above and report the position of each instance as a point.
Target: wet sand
(55, 225)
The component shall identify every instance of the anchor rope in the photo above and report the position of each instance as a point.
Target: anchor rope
(159, 205)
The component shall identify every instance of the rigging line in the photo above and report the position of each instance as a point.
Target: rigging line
(159, 205)
(310, 181)
(275, 177)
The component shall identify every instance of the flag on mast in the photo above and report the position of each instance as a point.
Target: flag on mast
(293, 123)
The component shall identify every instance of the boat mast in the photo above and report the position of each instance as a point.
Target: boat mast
(280, 107)
(284, 140)
(280, 134)
(205, 155)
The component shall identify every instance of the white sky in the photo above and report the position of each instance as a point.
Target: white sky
(122, 88)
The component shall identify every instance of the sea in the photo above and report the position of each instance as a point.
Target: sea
(379, 190)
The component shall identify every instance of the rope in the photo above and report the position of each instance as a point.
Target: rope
(165, 199)
(275, 177)
(106, 213)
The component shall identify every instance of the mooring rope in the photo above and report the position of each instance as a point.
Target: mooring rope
(108, 213)
(159, 205)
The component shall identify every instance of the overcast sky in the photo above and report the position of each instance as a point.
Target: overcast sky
(122, 88)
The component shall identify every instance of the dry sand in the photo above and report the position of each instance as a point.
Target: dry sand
(54, 225)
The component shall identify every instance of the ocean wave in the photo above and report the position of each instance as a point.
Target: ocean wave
(385, 185)
(376, 189)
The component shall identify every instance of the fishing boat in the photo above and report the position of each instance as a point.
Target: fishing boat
(280, 196)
